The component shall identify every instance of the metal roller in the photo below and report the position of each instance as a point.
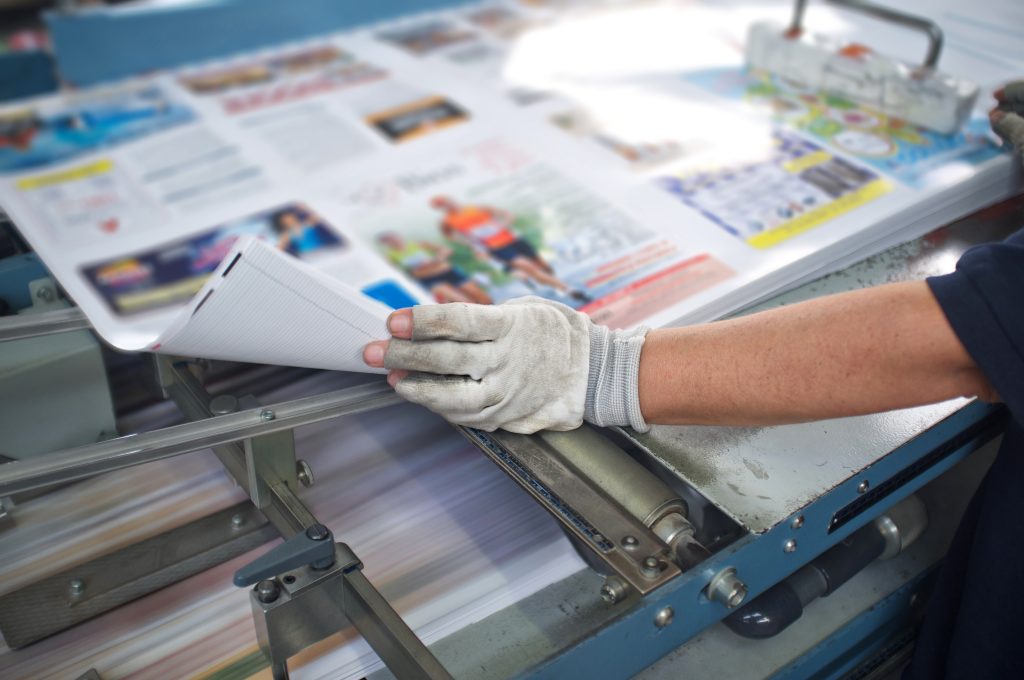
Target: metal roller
(632, 486)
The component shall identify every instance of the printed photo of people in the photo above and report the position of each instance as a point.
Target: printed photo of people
(172, 273)
(526, 229)
(462, 250)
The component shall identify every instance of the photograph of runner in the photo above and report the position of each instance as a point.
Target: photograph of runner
(488, 233)
(430, 265)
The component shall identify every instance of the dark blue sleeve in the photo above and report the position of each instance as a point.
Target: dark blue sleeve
(984, 302)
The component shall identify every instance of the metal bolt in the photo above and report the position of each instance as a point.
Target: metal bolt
(318, 532)
(46, 294)
(303, 473)
(267, 414)
(237, 520)
(597, 538)
(798, 522)
(223, 404)
(664, 617)
(726, 588)
(863, 486)
(789, 546)
(630, 542)
(76, 587)
(614, 590)
(267, 591)
(651, 567)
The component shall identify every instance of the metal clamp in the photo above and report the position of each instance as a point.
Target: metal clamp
(911, 21)
(314, 548)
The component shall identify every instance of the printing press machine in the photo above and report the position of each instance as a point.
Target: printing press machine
(682, 527)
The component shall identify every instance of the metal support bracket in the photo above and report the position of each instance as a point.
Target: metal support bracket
(269, 458)
(347, 597)
(305, 605)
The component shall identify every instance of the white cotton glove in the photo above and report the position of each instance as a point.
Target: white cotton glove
(1008, 117)
(527, 365)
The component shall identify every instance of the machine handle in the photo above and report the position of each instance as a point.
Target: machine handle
(313, 547)
(926, 26)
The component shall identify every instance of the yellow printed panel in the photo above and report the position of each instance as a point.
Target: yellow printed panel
(169, 294)
(70, 175)
(813, 218)
(798, 165)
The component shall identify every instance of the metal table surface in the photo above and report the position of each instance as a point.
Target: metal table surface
(761, 476)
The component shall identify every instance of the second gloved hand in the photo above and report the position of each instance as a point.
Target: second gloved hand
(527, 365)
(1008, 117)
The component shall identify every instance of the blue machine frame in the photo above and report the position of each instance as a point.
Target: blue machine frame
(631, 643)
(100, 44)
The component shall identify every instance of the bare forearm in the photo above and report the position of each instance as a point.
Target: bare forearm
(861, 352)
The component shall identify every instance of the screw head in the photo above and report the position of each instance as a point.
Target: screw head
(789, 546)
(726, 588)
(798, 522)
(651, 567)
(267, 414)
(76, 587)
(318, 532)
(863, 486)
(237, 520)
(664, 617)
(630, 542)
(613, 590)
(304, 473)
(267, 591)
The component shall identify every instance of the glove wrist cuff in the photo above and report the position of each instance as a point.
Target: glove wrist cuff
(612, 382)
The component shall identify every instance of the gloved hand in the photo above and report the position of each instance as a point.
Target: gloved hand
(526, 365)
(1008, 117)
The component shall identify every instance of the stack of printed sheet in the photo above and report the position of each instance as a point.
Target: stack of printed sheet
(641, 176)
(272, 207)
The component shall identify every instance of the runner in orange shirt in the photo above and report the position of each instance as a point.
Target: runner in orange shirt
(488, 232)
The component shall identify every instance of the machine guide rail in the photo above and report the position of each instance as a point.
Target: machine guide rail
(84, 591)
(44, 323)
(136, 449)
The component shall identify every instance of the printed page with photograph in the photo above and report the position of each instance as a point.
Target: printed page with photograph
(134, 194)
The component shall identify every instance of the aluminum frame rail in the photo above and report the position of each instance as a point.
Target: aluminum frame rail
(135, 449)
(44, 323)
